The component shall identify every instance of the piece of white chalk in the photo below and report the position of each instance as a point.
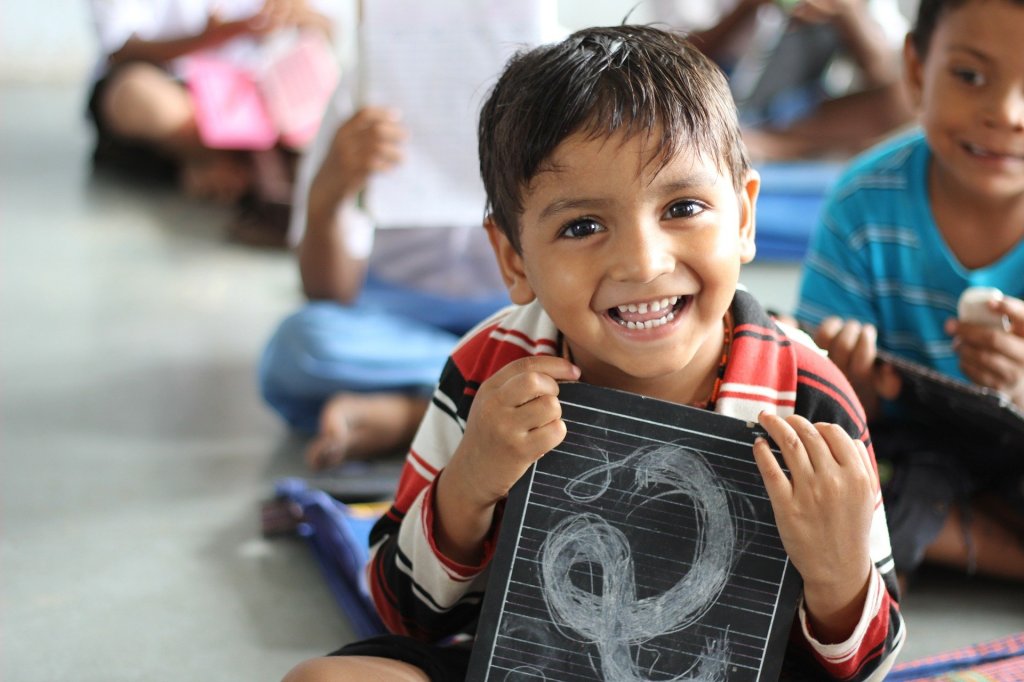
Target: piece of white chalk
(972, 307)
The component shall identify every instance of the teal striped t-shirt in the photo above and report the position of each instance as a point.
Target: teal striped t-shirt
(877, 256)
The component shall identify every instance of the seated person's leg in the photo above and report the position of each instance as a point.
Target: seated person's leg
(144, 103)
(359, 377)
(934, 507)
(391, 658)
(979, 541)
(355, 668)
(361, 425)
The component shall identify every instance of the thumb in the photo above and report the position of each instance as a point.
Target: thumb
(1013, 309)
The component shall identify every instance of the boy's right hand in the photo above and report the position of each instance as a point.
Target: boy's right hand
(852, 347)
(515, 419)
(369, 142)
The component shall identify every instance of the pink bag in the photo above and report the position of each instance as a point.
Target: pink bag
(236, 109)
(297, 87)
(229, 107)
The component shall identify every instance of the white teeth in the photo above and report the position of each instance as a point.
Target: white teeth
(653, 306)
(649, 324)
(668, 304)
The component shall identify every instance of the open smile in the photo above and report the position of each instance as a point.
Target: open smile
(985, 153)
(648, 314)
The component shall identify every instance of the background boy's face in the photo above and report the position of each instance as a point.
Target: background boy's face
(636, 265)
(970, 90)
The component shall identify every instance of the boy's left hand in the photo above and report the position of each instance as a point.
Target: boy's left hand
(823, 510)
(992, 356)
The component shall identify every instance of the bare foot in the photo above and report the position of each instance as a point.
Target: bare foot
(362, 425)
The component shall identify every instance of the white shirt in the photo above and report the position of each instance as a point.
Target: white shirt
(116, 21)
(454, 260)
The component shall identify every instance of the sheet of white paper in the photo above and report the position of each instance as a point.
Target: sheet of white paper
(435, 62)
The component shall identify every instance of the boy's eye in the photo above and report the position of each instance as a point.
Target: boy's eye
(584, 227)
(684, 209)
(969, 76)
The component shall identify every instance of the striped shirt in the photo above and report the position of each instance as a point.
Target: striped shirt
(878, 257)
(422, 593)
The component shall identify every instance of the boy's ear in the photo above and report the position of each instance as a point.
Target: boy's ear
(748, 210)
(511, 264)
(913, 69)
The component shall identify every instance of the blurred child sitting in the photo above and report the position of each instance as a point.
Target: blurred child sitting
(913, 224)
(143, 113)
(622, 208)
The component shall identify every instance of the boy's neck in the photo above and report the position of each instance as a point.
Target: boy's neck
(978, 230)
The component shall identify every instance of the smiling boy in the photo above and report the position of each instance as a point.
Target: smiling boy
(621, 209)
(909, 227)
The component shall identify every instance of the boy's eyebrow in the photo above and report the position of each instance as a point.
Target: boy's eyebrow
(672, 186)
(563, 205)
(702, 178)
(973, 51)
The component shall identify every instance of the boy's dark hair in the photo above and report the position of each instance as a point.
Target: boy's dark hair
(601, 80)
(928, 14)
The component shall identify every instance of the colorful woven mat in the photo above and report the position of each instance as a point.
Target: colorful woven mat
(1000, 660)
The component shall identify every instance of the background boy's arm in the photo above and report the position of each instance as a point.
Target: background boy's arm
(338, 238)
(216, 32)
(991, 356)
(712, 40)
(272, 16)
(851, 346)
(862, 35)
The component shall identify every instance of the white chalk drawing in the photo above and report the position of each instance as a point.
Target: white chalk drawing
(612, 618)
(642, 549)
(526, 673)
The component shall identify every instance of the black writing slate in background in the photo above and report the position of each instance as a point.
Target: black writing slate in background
(642, 548)
(941, 400)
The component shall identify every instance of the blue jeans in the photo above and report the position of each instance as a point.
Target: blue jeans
(390, 339)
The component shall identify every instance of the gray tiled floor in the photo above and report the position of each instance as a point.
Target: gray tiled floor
(135, 451)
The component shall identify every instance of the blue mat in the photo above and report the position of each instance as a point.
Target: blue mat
(789, 206)
(339, 535)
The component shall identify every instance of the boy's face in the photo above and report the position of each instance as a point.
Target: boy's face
(970, 93)
(636, 265)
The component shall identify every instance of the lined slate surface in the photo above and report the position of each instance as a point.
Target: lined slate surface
(642, 548)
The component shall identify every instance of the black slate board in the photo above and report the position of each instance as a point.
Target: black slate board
(643, 547)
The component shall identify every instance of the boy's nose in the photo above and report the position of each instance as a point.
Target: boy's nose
(1007, 108)
(641, 255)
